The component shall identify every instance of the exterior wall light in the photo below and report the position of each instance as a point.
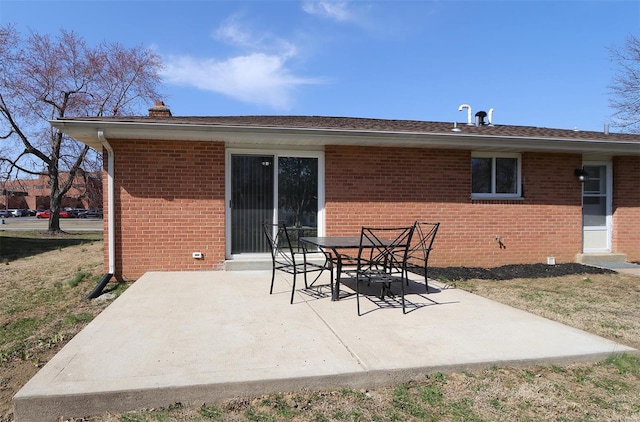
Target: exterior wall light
(582, 175)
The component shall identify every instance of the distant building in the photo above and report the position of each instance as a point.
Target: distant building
(34, 194)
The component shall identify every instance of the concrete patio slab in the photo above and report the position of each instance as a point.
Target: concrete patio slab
(197, 337)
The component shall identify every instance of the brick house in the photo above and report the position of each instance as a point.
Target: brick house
(503, 194)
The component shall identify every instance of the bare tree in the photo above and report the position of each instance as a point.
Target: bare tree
(44, 78)
(625, 88)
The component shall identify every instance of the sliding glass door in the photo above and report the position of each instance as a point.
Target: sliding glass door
(270, 188)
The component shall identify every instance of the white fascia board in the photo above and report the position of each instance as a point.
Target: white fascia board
(86, 132)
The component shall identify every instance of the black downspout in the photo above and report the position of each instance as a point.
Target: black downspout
(97, 291)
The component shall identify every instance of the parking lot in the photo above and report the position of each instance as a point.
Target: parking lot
(67, 224)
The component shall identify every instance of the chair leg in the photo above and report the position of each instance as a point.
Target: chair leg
(293, 289)
(426, 278)
(358, 295)
(402, 293)
(273, 278)
(306, 285)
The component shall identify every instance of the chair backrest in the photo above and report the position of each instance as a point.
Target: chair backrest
(279, 242)
(285, 242)
(385, 247)
(423, 237)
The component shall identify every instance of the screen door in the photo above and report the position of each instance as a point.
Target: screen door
(596, 210)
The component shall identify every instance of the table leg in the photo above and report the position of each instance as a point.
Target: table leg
(336, 290)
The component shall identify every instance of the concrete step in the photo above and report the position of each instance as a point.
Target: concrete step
(261, 263)
(248, 264)
(592, 258)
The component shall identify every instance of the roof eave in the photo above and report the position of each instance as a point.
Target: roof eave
(87, 132)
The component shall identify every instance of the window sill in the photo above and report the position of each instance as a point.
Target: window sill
(497, 200)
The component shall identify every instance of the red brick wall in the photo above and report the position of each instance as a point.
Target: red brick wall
(626, 206)
(169, 202)
(385, 186)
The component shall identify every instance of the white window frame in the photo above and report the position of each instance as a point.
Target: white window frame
(493, 194)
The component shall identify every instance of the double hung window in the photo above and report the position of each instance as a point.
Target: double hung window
(495, 175)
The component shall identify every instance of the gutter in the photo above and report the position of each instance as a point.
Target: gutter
(97, 291)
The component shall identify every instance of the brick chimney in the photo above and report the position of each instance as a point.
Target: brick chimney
(159, 110)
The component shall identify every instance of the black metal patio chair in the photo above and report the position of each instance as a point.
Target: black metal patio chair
(382, 259)
(420, 249)
(290, 255)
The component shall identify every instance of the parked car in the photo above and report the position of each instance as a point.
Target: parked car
(76, 212)
(94, 213)
(5, 213)
(47, 214)
(20, 213)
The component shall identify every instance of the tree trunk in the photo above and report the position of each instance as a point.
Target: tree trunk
(54, 219)
(55, 201)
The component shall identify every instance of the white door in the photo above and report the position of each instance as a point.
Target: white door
(596, 208)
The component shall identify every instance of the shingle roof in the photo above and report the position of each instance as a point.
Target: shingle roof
(373, 125)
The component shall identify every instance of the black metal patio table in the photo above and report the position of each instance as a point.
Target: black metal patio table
(332, 244)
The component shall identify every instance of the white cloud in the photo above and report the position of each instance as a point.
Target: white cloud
(335, 10)
(258, 76)
(359, 14)
(255, 78)
(235, 33)
(232, 33)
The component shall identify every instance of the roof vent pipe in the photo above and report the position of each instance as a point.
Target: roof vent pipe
(490, 117)
(468, 107)
(480, 116)
(606, 128)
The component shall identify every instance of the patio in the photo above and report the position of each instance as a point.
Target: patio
(198, 337)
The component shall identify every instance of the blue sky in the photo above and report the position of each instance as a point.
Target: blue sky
(540, 63)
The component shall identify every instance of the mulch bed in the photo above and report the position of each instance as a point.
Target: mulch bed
(508, 272)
